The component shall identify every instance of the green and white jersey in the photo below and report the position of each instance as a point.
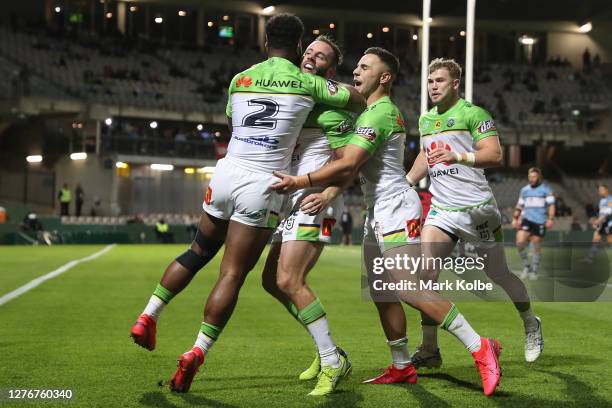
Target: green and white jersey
(456, 187)
(268, 104)
(380, 131)
(325, 129)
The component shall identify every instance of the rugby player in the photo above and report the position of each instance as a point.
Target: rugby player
(267, 106)
(459, 140)
(393, 219)
(534, 213)
(602, 224)
(299, 240)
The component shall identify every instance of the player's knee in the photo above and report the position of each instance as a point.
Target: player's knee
(205, 247)
(192, 261)
(287, 282)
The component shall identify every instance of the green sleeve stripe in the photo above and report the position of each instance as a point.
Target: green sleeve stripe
(364, 144)
(446, 131)
(479, 137)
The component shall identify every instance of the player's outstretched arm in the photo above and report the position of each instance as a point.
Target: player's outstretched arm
(356, 102)
(336, 172)
(418, 169)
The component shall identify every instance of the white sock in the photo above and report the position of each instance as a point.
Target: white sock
(461, 329)
(529, 320)
(430, 337)
(154, 307)
(204, 343)
(319, 330)
(399, 352)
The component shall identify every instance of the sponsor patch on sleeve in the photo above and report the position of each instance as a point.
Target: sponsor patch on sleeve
(367, 132)
(486, 126)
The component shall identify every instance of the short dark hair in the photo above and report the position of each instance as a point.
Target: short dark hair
(284, 31)
(387, 57)
(329, 40)
(535, 170)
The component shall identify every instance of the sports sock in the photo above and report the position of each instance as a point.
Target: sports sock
(456, 324)
(160, 298)
(313, 317)
(529, 320)
(207, 336)
(399, 352)
(535, 264)
(524, 256)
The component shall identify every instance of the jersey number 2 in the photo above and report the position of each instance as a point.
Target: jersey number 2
(263, 118)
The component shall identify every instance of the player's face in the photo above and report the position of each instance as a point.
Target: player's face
(441, 86)
(533, 178)
(603, 192)
(319, 59)
(370, 73)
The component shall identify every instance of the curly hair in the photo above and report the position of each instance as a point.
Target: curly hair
(284, 31)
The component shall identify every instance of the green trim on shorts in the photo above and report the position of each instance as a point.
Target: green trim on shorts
(498, 234)
(308, 232)
(272, 219)
(463, 209)
(395, 239)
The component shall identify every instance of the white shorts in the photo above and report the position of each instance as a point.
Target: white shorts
(478, 224)
(298, 226)
(243, 196)
(394, 222)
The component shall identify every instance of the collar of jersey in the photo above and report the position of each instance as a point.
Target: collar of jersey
(385, 98)
(456, 106)
(282, 60)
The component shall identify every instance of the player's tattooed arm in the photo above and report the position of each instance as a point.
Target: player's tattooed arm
(418, 169)
(336, 172)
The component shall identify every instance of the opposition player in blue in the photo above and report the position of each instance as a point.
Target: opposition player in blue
(602, 224)
(534, 213)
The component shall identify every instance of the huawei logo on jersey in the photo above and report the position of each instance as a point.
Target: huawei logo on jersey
(433, 146)
(245, 81)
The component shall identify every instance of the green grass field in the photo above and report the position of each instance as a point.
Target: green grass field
(73, 332)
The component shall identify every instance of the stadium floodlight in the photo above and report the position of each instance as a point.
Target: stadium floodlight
(332, 26)
(182, 13)
(200, 127)
(430, 20)
(108, 121)
(415, 37)
(526, 40)
(206, 169)
(189, 170)
(58, 9)
(35, 158)
(162, 167)
(133, 9)
(78, 156)
(121, 165)
(153, 125)
(316, 31)
(225, 18)
(269, 10)
(586, 27)
(159, 20)
(109, 15)
(386, 29)
(462, 33)
(369, 35)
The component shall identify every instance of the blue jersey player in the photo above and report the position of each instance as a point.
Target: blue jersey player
(534, 213)
(602, 224)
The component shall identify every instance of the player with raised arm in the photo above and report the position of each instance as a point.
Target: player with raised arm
(267, 106)
(300, 237)
(393, 219)
(602, 224)
(534, 213)
(459, 140)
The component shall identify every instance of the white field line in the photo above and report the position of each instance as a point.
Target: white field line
(53, 274)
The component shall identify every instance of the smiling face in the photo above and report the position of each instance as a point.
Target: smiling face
(319, 59)
(370, 73)
(442, 87)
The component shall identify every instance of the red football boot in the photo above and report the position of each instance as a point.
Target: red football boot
(143, 331)
(394, 375)
(487, 362)
(188, 364)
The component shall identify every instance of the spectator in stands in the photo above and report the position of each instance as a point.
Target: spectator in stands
(586, 60)
(79, 198)
(162, 232)
(346, 223)
(32, 227)
(65, 198)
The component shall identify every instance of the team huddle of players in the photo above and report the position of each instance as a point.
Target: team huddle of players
(299, 138)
